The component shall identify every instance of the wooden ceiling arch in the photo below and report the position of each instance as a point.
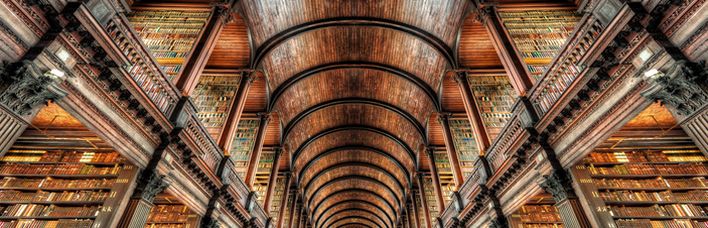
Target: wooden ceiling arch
(294, 31)
(350, 203)
(409, 151)
(419, 127)
(357, 194)
(354, 155)
(351, 179)
(354, 224)
(340, 193)
(288, 84)
(356, 219)
(354, 212)
(354, 169)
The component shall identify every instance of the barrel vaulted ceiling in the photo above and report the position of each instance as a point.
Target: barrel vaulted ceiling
(355, 85)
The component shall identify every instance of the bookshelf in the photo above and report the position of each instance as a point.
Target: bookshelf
(286, 213)
(538, 212)
(647, 178)
(169, 212)
(62, 177)
(278, 192)
(447, 184)
(243, 143)
(465, 144)
(421, 210)
(213, 97)
(538, 35)
(495, 98)
(429, 194)
(169, 34)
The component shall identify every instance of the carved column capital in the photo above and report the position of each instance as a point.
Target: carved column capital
(209, 222)
(264, 116)
(25, 86)
(559, 184)
(683, 87)
(443, 117)
(149, 185)
(460, 77)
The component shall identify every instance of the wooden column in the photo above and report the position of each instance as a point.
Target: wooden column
(284, 201)
(473, 113)
(436, 179)
(560, 185)
(444, 119)
(194, 66)
(515, 68)
(235, 111)
(256, 154)
(138, 208)
(292, 208)
(272, 179)
(11, 127)
(415, 210)
(423, 201)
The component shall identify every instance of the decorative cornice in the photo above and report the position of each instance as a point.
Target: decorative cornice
(684, 87)
(26, 87)
(149, 184)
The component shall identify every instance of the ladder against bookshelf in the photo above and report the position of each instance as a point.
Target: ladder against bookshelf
(495, 98)
(169, 34)
(61, 176)
(646, 177)
(538, 212)
(243, 143)
(465, 144)
(213, 98)
(538, 35)
(169, 212)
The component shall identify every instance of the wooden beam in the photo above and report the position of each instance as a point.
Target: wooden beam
(423, 201)
(473, 113)
(272, 178)
(284, 201)
(444, 119)
(256, 153)
(235, 111)
(436, 178)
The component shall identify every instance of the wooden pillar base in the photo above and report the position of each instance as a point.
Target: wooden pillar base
(572, 214)
(136, 213)
(11, 127)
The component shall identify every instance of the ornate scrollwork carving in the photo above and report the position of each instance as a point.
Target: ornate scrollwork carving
(559, 184)
(25, 87)
(149, 185)
(684, 87)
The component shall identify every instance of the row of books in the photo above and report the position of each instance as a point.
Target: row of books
(49, 183)
(642, 156)
(58, 169)
(63, 156)
(650, 169)
(540, 225)
(61, 223)
(43, 196)
(169, 213)
(35, 210)
(673, 223)
(696, 182)
(663, 196)
(671, 210)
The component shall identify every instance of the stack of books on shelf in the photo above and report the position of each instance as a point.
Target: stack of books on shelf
(495, 98)
(61, 223)
(168, 34)
(213, 97)
(538, 212)
(465, 144)
(243, 143)
(539, 35)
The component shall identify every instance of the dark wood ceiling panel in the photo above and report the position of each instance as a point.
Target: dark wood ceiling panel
(354, 44)
(256, 100)
(354, 114)
(383, 213)
(272, 136)
(355, 221)
(435, 132)
(476, 49)
(350, 216)
(232, 50)
(359, 83)
(354, 138)
(354, 189)
(269, 17)
(451, 97)
(335, 175)
(349, 159)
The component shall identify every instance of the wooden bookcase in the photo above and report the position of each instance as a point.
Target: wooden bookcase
(538, 35)
(447, 184)
(243, 143)
(169, 212)
(429, 194)
(465, 144)
(278, 194)
(213, 98)
(169, 34)
(645, 177)
(260, 186)
(538, 212)
(62, 177)
(495, 98)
